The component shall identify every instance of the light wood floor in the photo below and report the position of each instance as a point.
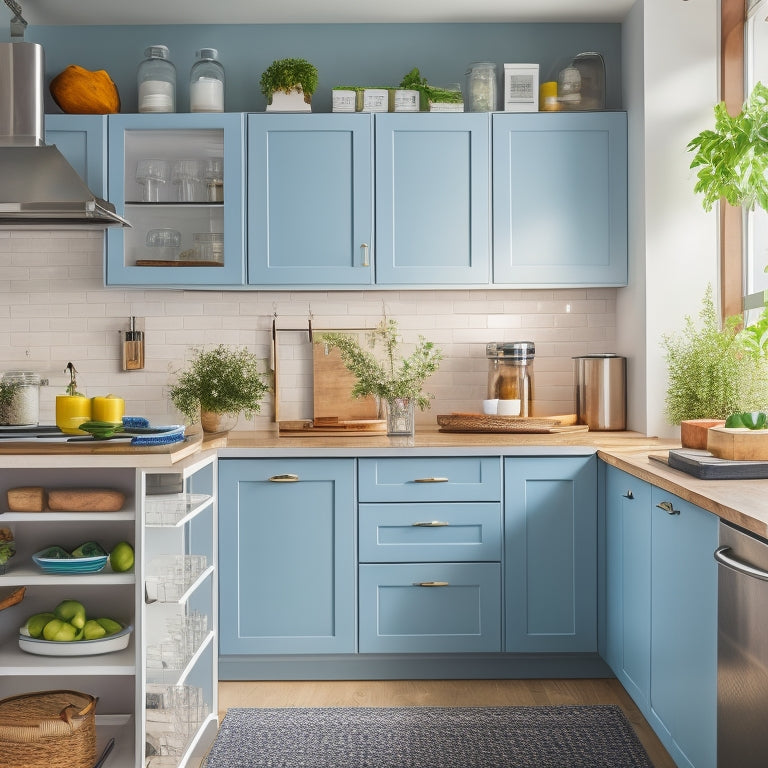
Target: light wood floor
(442, 693)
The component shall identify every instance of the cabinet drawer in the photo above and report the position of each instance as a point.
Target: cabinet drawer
(437, 478)
(415, 533)
(400, 615)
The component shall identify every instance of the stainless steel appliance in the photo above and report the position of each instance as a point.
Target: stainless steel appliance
(601, 391)
(742, 650)
(42, 188)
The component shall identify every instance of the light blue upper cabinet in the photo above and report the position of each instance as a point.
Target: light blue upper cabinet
(198, 193)
(82, 139)
(560, 199)
(432, 199)
(310, 199)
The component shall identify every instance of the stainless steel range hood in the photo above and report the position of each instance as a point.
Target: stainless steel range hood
(39, 188)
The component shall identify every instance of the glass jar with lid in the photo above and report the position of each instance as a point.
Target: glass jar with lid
(206, 82)
(20, 399)
(481, 87)
(510, 372)
(157, 81)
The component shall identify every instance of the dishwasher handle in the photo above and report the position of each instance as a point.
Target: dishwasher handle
(724, 557)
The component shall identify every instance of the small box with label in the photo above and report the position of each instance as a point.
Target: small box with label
(521, 87)
(373, 100)
(343, 100)
(403, 100)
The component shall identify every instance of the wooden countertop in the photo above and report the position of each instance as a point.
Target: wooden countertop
(741, 502)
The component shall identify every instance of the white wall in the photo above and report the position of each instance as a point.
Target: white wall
(54, 308)
(670, 70)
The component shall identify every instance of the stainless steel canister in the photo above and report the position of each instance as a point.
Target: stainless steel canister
(601, 391)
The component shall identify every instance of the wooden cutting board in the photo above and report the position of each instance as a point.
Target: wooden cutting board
(332, 389)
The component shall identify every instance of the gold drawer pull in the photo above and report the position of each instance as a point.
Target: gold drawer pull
(288, 478)
(430, 583)
(430, 524)
(431, 480)
(668, 507)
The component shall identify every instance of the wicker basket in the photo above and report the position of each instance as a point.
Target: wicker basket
(48, 728)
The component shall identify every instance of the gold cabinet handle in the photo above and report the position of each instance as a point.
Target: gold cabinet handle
(287, 478)
(430, 524)
(668, 507)
(364, 254)
(431, 480)
(430, 584)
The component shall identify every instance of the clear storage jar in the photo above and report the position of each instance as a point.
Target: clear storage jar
(157, 81)
(481, 87)
(510, 372)
(22, 407)
(206, 82)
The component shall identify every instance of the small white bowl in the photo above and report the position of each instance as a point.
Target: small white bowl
(490, 407)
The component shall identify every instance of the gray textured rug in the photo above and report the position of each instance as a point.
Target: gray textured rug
(428, 737)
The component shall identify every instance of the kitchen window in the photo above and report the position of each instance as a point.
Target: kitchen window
(756, 221)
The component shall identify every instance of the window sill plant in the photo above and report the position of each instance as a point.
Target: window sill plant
(393, 379)
(713, 371)
(217, 383)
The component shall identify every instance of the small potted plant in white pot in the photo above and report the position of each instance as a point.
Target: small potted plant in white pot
(288, 85)
(397, 381)
(217, 386)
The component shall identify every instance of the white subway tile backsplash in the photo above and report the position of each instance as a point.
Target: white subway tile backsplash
(54, 308)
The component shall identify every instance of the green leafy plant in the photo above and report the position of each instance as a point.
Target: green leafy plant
(732, 158)
(415, 82)
(712, 374)
(392, 376)
(748, 420)
(221, 380)
(287, 74)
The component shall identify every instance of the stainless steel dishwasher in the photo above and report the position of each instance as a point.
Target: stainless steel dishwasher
(742, 650)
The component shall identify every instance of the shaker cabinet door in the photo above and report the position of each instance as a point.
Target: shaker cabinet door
(432, 199)
(287, 536)
(560, 199)
(310, 199)
(82, 139)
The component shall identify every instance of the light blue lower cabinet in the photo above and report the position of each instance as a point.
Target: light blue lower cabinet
(661, 612)
(287, 554)
(430, 607)
(550, 543)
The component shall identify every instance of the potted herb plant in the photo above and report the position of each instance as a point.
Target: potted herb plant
(288, 85)
(217, 386)
(712, 373)
(398, 381)
(451, 99)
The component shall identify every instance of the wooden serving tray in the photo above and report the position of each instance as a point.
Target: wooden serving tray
(330, 426)
(738, 444)
(478, 422)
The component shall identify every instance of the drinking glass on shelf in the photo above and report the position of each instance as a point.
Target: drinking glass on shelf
(186, 174)
(151, 174)
(214, 179)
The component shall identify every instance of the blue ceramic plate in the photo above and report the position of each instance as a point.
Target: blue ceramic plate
(69, 565)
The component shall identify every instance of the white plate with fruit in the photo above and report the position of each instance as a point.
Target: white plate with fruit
(67, 630)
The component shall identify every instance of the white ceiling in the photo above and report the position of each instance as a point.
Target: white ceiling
(78, 12)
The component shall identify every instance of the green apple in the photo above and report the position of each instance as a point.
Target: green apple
(93, 630)
(110, 625)
(71, 611)
(61, 631)
(121, 557)
(36, 624)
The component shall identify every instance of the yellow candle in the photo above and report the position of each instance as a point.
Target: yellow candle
(71, 412)
(109, 408)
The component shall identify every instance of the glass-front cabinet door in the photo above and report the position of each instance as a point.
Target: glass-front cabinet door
(180, 182)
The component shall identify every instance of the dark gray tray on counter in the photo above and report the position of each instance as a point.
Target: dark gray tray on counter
(705, 466)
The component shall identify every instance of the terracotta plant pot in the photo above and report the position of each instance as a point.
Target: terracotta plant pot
(213, 422)
(693, 432)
